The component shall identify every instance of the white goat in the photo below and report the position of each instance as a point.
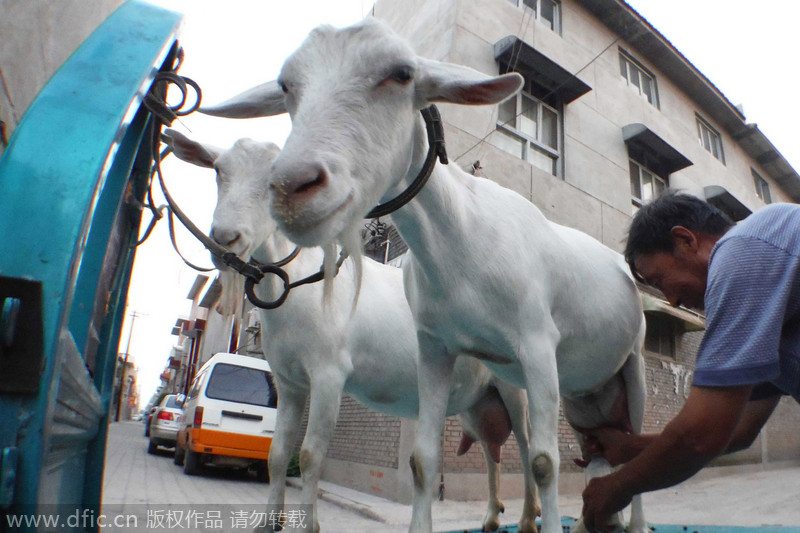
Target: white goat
(320, 353)
(544, 306)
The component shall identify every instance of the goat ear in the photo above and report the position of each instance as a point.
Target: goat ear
(455, 84)
(191, 151)
(263, 100)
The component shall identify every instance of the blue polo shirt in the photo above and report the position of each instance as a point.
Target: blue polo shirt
(752, 305)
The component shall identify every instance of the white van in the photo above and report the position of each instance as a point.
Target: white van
(228, 416)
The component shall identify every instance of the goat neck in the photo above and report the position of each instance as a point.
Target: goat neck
(434, 218)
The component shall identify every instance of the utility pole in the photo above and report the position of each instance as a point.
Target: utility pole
(124, 367)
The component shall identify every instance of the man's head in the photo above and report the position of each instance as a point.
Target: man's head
(669, 245)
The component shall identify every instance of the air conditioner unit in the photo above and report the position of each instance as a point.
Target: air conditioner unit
(253, 321)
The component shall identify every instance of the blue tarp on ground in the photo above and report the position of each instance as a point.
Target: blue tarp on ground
(566, 524)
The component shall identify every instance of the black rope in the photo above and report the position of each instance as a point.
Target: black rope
(171, 224)
(250, 283)
(157, 215)
(163, 114)
(158, 107)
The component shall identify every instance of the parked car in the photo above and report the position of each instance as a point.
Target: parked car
(164, 423)
(229, 416)
(148, 414)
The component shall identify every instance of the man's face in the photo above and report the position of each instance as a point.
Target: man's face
(681, 278)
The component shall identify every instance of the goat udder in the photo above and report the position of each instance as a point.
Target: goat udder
(493, 426)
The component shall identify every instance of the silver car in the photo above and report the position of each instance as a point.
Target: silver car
(164, 423)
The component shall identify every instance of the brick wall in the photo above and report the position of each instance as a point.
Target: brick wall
(473, 462)
(364, 436)
(783, 432)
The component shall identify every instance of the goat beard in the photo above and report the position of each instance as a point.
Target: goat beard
(350, 242)
(230, 301)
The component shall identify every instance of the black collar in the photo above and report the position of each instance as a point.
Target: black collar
(436, 148)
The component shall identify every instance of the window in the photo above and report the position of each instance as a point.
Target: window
(710, 139)
(529, 128)
(762, 187)
(651, 160)
(638, 78)
(659, 338)
(241, 384)
(172, 402)
(645, 184)
(548, 12)
(197, 384)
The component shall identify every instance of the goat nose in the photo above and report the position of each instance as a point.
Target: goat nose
(305, 181)
(225, 237)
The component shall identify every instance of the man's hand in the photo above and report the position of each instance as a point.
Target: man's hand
(616, 446)
(602, 498)
(701, 431)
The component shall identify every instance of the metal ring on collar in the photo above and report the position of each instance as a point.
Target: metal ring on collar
(250, 284)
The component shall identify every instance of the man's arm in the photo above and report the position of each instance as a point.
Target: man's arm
(620, 447)
(755, 415)
(615, 445)
(702, 430)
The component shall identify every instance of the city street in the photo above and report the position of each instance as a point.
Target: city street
(136, 482)
(148, 486)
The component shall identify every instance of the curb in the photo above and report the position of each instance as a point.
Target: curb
(341, 501)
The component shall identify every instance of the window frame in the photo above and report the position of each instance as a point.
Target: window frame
(665, 326)
(703, 126)
(761, 185)
(555, 25)
(197, 384)
(630, 62)
(643, 165)
(529, 142)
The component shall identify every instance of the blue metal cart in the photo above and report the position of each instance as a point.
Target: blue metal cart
(72, 182)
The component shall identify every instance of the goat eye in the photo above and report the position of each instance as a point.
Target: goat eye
(401, 75)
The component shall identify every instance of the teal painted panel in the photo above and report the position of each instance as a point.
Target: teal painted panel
(56, 164)
(566, 524)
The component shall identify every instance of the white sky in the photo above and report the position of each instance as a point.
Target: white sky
(230, 46)
(746, 49)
